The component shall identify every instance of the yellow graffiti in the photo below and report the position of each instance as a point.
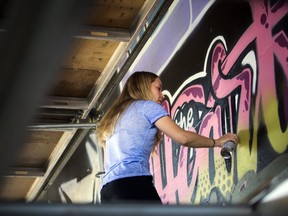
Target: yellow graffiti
(246, 157)
(223, 181)
(277, 138)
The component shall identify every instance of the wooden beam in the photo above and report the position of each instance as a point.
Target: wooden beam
(53, 160)
(56, 165)
(104, 87)
(116, 61)
(103, 33)
(31, 172)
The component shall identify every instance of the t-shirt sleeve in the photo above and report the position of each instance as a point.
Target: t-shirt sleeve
(153, 111)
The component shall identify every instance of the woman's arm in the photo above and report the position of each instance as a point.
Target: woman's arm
(189, 138)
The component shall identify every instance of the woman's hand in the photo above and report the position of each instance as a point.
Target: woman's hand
(225, 138)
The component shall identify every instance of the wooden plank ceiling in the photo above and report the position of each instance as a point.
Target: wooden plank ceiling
(105, 33)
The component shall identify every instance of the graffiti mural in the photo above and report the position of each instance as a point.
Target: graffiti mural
(224, 68)
(242, 88)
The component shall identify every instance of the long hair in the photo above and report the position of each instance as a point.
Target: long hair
(137, 87)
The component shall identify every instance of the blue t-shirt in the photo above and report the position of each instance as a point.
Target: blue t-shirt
(128, 149)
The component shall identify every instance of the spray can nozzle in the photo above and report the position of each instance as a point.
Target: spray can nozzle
(227, 149)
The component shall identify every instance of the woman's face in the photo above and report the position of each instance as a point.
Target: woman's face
(156, 89)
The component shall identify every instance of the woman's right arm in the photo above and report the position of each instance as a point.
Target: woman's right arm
(189, 138)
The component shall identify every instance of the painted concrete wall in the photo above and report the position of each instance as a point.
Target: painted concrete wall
(224, 66)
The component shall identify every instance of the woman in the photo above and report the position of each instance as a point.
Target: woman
(129, 131)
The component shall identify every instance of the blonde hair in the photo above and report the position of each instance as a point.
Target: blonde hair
(137, 87)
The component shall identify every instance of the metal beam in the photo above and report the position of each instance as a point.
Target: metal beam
(62, 127)
(127, 209)
(59, 112)
(65, 103)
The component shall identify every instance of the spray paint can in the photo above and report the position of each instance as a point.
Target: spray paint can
(227, 149)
